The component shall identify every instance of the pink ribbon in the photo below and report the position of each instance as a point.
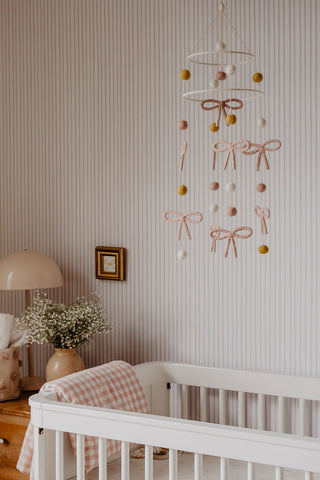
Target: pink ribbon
(218, 233)
(263, 213)
(183, 150)
(230, 148)
(183, 218)
(262, 151)
(222, 105)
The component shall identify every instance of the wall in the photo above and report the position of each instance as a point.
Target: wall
(89, 94)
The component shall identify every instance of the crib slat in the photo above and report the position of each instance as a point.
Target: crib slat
(203, 404)
(224, 464)
(148, 463)
(242, 409)
(173, 465)
(125, 465)
(59, 456)
(261, 411)
(80, 457)
(102, 459)
(222, 407)
(197, 466)
(302, 411)
(250, 473)
(184, 401)
(281, 415)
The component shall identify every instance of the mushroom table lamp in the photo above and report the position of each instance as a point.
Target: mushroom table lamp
(28, 270)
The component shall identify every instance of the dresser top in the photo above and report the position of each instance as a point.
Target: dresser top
(19, 406)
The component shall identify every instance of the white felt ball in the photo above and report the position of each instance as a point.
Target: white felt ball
(230, 69)
(213, 208)
(182, 254)
(221, 7)
(261, 122)
(220, 47)
(214, 83)
(230, 187)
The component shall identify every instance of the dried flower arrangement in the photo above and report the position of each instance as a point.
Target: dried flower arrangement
(64, 326)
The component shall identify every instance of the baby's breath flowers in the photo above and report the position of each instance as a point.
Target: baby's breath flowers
(65, 326)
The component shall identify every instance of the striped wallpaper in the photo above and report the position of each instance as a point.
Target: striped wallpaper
(89, 152)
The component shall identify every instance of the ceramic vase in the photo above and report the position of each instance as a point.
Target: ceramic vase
(64, 362)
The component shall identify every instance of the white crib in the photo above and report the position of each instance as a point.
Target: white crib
(54, 458)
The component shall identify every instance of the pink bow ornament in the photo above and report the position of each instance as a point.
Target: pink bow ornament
(183, 218)
(222, 105)
(183, 150)
(261, 150)
(263, 213)
(238, 146)
(218, 233)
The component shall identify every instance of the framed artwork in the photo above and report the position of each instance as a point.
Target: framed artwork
(110, 263)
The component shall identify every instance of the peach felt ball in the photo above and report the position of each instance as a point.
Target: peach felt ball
(214, 127)
(263, 249)
(214, 186)
(183, 125)
(185, 74)
(231, 119)
(261, 187)
(182, 190)
(257, 77)
(221, 75)
(231, 211)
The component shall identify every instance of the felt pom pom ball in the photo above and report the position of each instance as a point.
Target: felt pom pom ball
(183, 125)
(230, 69)
(231, 211)
(214, 186)
(261, 187)
(261, 122)
(213, 208)
(182, 254)
(182, 190)
(214, 127)
(221, 75)
(263, 249)
(185, 74)
(230, 187)
(257, 77)
(220, 47)
(214, 83)
(231, 119)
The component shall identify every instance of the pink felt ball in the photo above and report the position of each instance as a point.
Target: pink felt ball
(221, 75)
(183, 125)
(231, 211)
(261, 187)
(214, 186)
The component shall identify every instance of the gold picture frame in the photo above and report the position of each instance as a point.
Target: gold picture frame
(110, 263)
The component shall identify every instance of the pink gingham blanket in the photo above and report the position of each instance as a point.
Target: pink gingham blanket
(113, 385)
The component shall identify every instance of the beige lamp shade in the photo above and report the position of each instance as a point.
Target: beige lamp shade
(29, 270)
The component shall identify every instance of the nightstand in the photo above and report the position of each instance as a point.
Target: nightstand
(14, 419)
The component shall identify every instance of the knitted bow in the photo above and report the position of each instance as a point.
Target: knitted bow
(261, 150)
(183, 218)
(239, 146)
(222, 105)
(263, 213)
(215, 234)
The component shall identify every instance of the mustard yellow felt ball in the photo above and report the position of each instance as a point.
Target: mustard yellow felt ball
(214, 127)
(182, 190)
(231, 119)
(185, 74)
(263, 249)
(257, 77)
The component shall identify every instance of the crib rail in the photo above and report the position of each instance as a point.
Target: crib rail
(269, 448)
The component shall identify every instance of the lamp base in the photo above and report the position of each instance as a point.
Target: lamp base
(29, 384)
